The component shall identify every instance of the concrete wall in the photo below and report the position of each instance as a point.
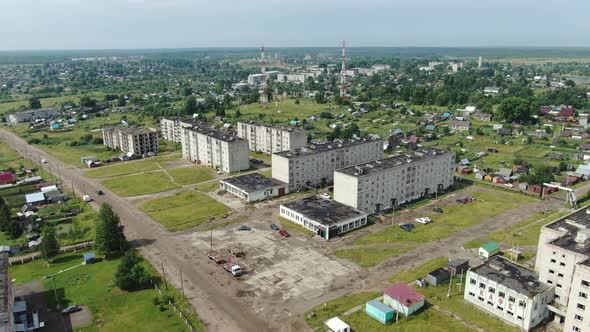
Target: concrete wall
(573, 314)
(344, 188)
(398, 308)
(280, 168)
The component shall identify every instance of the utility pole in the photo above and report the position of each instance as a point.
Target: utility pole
(181, 282)
(450, 284)
(55, 292)
(461, 284)
(164, 275)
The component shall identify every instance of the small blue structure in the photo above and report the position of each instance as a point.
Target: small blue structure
(89, 258)
(379, 311)
(54, 126)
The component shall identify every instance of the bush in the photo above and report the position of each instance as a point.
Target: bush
(131, 275)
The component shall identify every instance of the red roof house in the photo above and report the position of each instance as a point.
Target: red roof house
(403, 299)
(7, 177)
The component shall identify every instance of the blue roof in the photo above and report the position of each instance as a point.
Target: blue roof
(89, 255)
(379, 306)
(446, 115)
(34, 197)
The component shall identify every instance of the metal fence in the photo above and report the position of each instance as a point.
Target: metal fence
(29, 258)
(178, 311)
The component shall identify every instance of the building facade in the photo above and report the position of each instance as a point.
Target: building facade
(137, 141)
(322, 216)
(315, 165)
(253, 187)
(172, 128)
(563, 260)
(269, 139)
(205, 145)
(384, 184)
(32, 115)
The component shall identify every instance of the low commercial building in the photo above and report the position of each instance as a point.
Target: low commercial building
(314, 166)
(384, 184)
(509, 291)
(140, 141)
(269, 138)
(171, 128)
(323, 216)
(403, 299)
(208, 146)
(32, 115)
(488, 250)
(253, 187)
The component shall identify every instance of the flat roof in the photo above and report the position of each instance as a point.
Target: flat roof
(570, 225)
(323, 147)
(207, 130)
(273, 125)
(379, 306)
(132, 130)
(4, 292)
(325, 211)
(253, 182)
(511, 275)
(393, 161)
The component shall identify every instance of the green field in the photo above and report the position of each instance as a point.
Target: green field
(45, 102)
(208, 187)
(124, 168)
(92, 286)
(183, 210)
(191, 175)
(267, 173)
(140, 184)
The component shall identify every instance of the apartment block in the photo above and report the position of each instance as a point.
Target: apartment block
(208, 146)
(374, 186)
(137, 141)
(509, 291)
(32, 115)
(315, 165)
(269, 138)
(563, 260)
(171, 128)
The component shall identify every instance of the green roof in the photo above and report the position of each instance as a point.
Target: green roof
(491, 246)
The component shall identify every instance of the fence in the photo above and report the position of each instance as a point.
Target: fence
(180, 314)
(31, 257)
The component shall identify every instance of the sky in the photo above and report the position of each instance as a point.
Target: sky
(130, 24)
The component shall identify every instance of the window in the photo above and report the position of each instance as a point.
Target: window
(511, 299)
(578, 318)
(585, 283)
(560, 275)
(499, 308)
(482, 285)
(558, 285)
(471, 294)
(561, 264)
(511, 314)
(480, 298)
(575, 328)
(553, 261)
(472, 281)
(502, 294)
(583, 295)
(492, 290)
(519, 318)
(521, 303)
(490, 303)
(581, 306)
(551, 272)
(550, 282)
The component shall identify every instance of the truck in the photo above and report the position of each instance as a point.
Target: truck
(233, 268)
(216, 256)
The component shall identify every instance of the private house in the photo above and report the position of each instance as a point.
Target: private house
(488, 250)
(457, 125)
(485, 117)
(403, 299)
(7, 177)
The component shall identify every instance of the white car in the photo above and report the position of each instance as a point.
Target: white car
(423, 220)
(326, 196)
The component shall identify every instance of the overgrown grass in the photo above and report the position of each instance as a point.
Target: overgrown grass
(294, 228)
(208, 187)
(140, 184)
(191, 175)
(337, 307)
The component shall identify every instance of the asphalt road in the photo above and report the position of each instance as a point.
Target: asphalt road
(217, 305)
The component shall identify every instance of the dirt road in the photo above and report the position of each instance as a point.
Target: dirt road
(219, 307)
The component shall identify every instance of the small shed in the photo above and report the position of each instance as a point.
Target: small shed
(379, 311)
(437, 277)
(458, 266)
(403, 299)
(337, 325)
(35, 198)
(488, 250)
(89, 258)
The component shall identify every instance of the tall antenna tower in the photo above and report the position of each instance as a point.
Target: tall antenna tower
(343, 84)
(263, 86)
(479, 62)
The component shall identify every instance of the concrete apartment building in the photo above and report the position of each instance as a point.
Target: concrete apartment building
(137, 141)
(383, 184)
(32, 115)
(563, 260)
(509, 291)
(205, 145)
(269, 138)
(315, 165)
(171, 128)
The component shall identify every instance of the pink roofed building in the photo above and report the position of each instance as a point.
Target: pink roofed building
(7, 177)
(403, 299)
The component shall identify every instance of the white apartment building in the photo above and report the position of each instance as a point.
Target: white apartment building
(269, 139)
(383, 184)
(205, 145)
(171, 128)
(323, 216)
(137, 141)
(563, 260)
(32, 115)
(315, 165)
(508, 291)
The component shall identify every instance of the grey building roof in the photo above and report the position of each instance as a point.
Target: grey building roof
(570, 225)
(457, 123)
(275, 126)
(253, 182)
(133, 131)
(34, 197)
(214, 133)
(457, 262)
(325, 211)
(323, 147)
(4, 293)
(511, 275)
(393, 161)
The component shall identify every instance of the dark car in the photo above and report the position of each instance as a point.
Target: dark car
(438, 210)
(406, 227)
(71, 309)
(274, 227)
(284, 233)
(244, 228)
(99, 192)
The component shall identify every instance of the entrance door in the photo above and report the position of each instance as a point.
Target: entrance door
(281, 191)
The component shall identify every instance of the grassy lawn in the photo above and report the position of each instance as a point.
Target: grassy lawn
(267, 173)
(294, 228)
(184, 210)
(140, 184)
(409, 276)
(208, 187)
(45, 102)
(124, 168)
(191, 175)
(261, 156)
(92, 286)
(337, 307)
(367, 257)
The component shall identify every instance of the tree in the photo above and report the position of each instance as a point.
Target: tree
(110, 240)
(121, 101)
(543, 174)
(238, 114)
(34, 103)
(5, 216)
(515, 109)
(86, 101)
(190, 105)
(131, 275)
(49, 244)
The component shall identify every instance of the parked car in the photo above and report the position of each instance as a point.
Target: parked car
(244, 228)
(284, 233)
(71, 309)
(99, 192)
(438, 210)
(423, 220)
(326, 196)
(406, 227)
(44, 161)
(274, 227)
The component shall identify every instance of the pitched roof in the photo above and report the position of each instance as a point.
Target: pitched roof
(6, 177)
(403, 293)
(491, 246)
